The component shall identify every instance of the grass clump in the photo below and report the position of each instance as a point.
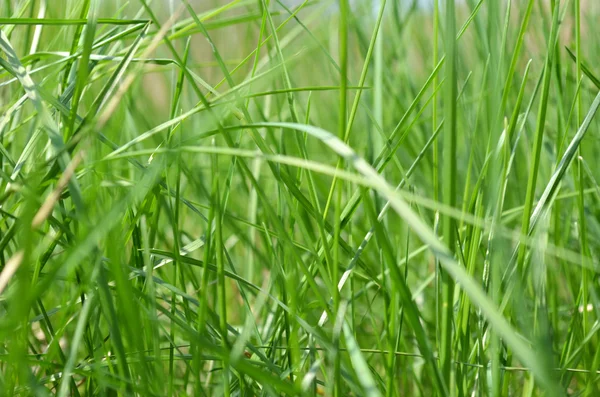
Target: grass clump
(299, 198)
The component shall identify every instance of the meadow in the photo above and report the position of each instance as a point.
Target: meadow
(307, 197)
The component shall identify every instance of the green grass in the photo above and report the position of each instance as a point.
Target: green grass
(265, 197)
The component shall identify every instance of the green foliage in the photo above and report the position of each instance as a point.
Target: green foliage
(342, 198)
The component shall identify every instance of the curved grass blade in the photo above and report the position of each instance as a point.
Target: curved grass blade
(478, 297)
(14, 66)
(553, 186)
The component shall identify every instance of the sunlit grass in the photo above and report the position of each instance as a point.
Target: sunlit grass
(258, 197)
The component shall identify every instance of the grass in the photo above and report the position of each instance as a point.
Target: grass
(256, 197)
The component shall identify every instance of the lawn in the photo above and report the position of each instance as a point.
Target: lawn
(299, 197)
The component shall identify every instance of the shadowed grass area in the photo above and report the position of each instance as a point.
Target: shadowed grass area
(268, 197)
